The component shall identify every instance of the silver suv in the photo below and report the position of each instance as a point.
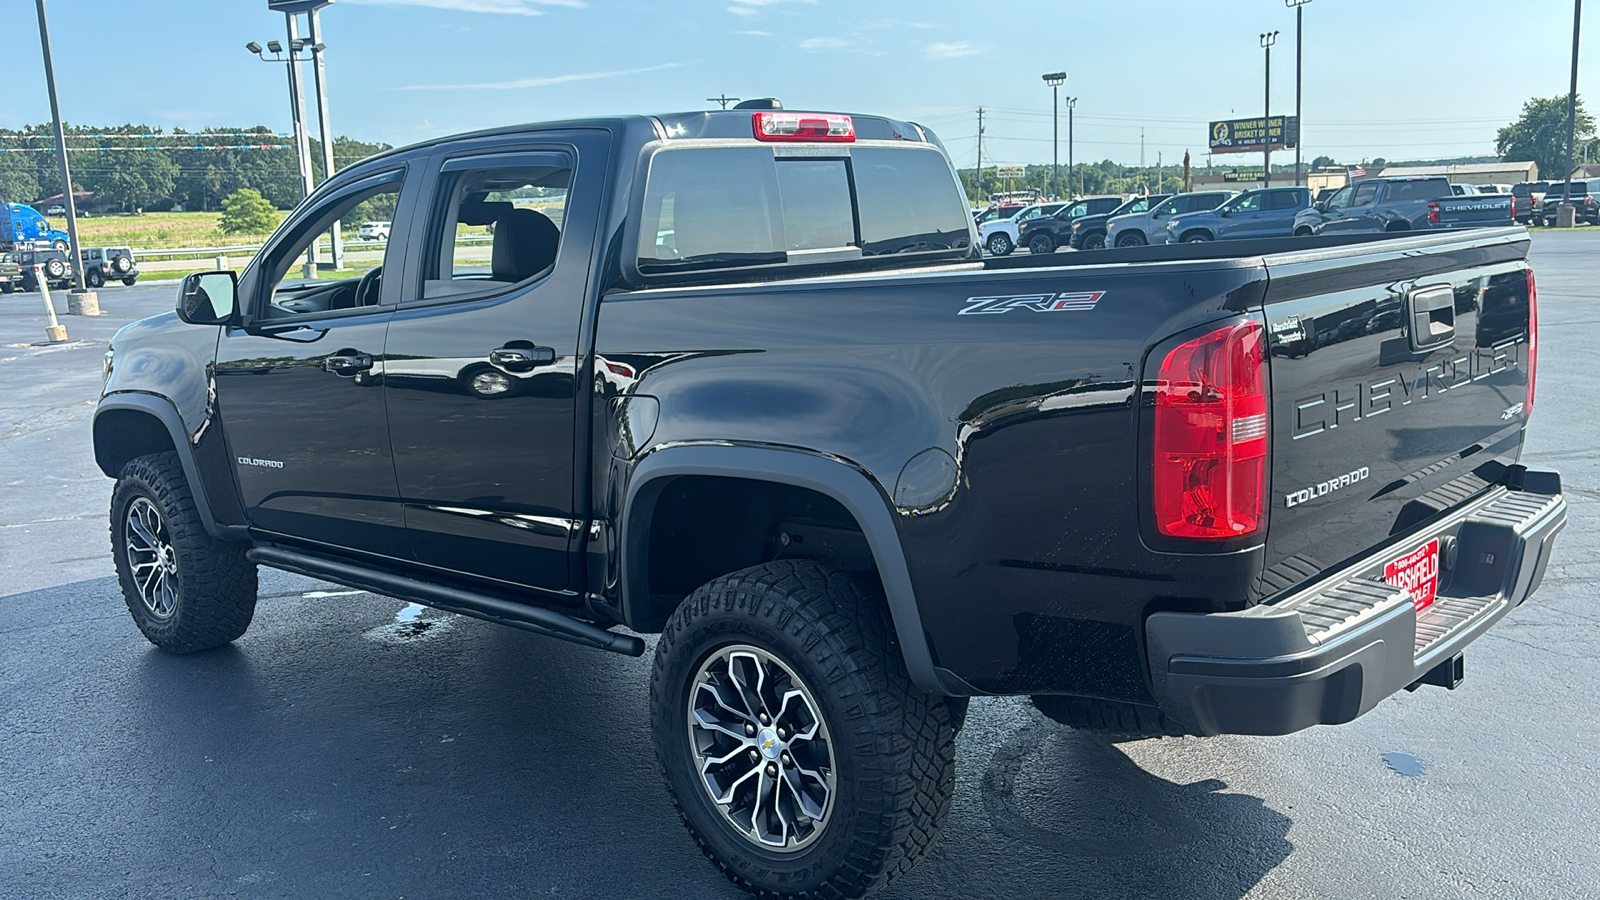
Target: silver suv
(1150, 227)
(103, 264)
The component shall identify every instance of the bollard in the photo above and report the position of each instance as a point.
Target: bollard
(1566, 216)
(222, 262)
(55, 332)
(83, 303)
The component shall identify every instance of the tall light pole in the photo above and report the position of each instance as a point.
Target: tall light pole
(336, 239)
(76, 259)
(1268, 38)
(1055, 79)
(1572, 98)
(1299, 7)
(302, 146)
(1072, 171)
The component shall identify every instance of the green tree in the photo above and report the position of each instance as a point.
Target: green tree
(1540, 134)
(247, 212)
(1323, 162)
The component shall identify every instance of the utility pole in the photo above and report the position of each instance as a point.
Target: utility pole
(724, 99)
(979, 179)
(1572, 104)
(76, 259)
(1268, 38)
(1072, 171)
(1299, 54)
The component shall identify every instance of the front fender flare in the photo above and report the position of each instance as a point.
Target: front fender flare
(166, 413)
(833, 477)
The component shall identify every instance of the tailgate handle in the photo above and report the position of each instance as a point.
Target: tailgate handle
(1432, 314)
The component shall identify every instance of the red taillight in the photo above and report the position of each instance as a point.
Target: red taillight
(1433, 212)
(791, 126)
(1513, 206)
(1210, 435)
(1533, 344)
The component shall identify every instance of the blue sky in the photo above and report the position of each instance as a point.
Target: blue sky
(1394, 78)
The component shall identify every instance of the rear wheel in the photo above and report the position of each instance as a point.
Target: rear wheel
(798, 753)
(999, 244)
(93, 278)
(1131, 239)
(131, 280)
(1303, 231)
(1041, 244)
(187, 591)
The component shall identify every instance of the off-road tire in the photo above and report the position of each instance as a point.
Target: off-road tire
(893, 745)
(93, 278)
(216, 585)
(131, 280)
(1119, 721)
(123, 265)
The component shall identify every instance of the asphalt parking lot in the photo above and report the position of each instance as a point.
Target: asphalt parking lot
(351, 745)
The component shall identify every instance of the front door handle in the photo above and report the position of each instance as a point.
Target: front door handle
(521, 359)
(347, 363)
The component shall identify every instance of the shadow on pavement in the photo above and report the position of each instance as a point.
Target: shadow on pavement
(336, 750)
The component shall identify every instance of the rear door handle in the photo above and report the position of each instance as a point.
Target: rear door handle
(347, 363)
(521, 359)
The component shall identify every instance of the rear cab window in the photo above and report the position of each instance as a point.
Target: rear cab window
(722, 207)
(1427, 189)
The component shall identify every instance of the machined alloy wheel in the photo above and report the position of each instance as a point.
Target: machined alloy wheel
(761, 748)
(999, 244)
(151, 558)
(55, 268)
(123, 264)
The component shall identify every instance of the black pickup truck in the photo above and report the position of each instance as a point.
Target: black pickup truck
(742, 379)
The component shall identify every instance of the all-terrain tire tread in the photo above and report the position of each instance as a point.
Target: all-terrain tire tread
(840, 618)
(217, 597)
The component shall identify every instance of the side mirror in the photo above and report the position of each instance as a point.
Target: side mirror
(209, 298)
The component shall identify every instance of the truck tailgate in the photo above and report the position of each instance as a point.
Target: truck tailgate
(1399, 385)
(1465, 212)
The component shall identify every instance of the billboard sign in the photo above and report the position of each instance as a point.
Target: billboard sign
(1010, 171)
(1242, 175)
(1246, 135)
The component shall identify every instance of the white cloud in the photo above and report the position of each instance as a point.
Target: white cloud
(749, 8)
(827, 43)
(546, 81)
(764, 34)
(953, 49)
(501, 7)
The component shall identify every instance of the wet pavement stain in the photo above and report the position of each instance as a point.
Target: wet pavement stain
(1405, 764)
(413, 621)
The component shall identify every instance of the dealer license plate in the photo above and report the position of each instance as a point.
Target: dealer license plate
(1417, 572)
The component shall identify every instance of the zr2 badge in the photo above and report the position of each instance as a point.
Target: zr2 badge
(1079, 301)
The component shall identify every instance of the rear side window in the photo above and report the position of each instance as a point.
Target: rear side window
(723, 207)
(1418, 190)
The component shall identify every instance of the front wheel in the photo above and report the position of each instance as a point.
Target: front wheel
(1197, 237)
(1041, 244)
(187, 591)
(1302, 231)
(1131, 239)
(1094, 242)
(60, 245)
(999, 244)
(798, 753)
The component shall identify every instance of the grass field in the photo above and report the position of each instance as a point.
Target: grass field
(156, 230)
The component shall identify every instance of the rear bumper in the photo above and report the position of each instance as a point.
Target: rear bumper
(1330, 653)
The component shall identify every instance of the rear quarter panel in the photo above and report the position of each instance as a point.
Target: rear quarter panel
(1029, 571)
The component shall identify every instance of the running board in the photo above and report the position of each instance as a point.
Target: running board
(536, 619)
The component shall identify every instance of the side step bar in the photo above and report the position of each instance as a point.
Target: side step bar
(536, 619)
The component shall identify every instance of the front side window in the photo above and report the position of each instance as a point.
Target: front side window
(722, 207)
(495, 226)
(1167, 208)
(298, 287)
(1365, 194)
(1244, 203)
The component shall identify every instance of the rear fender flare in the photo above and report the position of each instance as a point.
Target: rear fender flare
(830, 476)
(163, 411)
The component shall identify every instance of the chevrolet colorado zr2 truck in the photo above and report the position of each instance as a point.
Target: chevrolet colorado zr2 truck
(742, 378)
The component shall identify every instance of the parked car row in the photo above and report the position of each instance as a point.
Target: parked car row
(22, 269)
(1373, 204)
(1585, 196)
